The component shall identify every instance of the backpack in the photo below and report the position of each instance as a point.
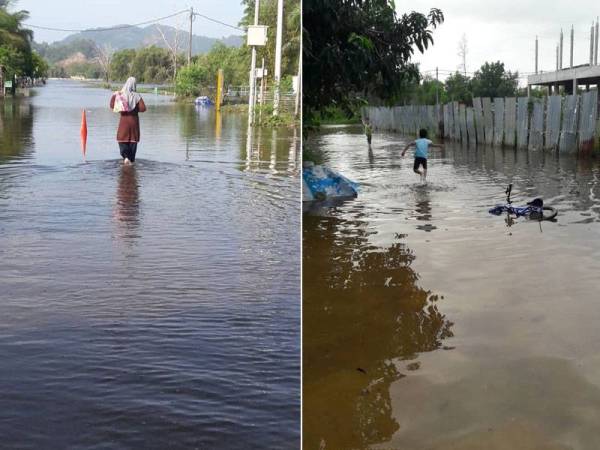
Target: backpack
(121, 104)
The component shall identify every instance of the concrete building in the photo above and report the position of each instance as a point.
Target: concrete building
(572, 77)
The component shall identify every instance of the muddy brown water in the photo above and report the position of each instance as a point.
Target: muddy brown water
(429, 323)
(155, 306)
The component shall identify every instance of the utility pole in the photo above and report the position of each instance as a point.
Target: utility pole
(536, 55)
(596, 44)
(190, 44)
(561, 50)
(262, 89)
(592, 44)
(299, 86)
(253, 72)
(437, 100)
(572, 39)
(278, 56)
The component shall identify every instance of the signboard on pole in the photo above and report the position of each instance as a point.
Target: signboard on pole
(259, 73)
(257, 35)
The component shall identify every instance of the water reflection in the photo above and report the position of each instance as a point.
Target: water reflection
(16, 125)
(363, 313)
(127, 206)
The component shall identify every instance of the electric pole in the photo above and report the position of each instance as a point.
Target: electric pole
(278, 56)
(190, 44)
(437, 100)
(253, 73)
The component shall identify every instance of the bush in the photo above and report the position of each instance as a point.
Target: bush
(189, 80)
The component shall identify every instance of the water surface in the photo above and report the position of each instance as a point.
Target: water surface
(153, 306)
(430, 324)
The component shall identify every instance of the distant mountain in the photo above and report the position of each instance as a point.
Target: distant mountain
(138, 37)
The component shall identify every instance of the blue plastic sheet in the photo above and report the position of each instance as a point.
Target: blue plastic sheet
(320, 183)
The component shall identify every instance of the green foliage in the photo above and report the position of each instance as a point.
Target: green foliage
(458, 88)
(264, 115)
(12, 60)
(147, 61)
(311, 154)
(15, 42)
(360, 48)
(54, 53)
(291, 37)
(492, 80)
(39, 65)
(333, 115)
(190, 80)
(121, 64)
(233, 60)
(423, 93)
(85, 69)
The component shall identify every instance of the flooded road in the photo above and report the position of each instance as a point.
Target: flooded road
(154, 306)
(430, 324)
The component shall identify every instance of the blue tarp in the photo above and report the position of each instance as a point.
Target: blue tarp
(320, 183)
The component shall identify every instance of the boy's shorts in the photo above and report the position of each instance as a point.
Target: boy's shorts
(419, 161)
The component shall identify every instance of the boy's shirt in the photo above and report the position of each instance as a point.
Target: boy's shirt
(422, 145)
(368, 129)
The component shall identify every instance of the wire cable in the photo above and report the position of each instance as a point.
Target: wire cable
(120, 27)
(219, 22)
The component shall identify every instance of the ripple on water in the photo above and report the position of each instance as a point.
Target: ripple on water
(153, 306)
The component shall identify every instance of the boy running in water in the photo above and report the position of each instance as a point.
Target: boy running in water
(422, 146)
(368, 130)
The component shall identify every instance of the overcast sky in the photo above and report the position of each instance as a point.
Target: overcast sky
(76, 14)
(505, 30)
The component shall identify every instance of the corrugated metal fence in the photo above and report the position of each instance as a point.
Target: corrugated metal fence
(566, 124)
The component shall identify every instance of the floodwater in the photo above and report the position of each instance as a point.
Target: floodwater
(430, 324)
(153, 306)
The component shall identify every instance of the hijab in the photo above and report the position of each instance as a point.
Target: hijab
(130, 94)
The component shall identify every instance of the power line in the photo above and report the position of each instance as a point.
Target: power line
(219, 22)
(121, 27)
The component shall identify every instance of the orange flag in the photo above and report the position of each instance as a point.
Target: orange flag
(83, 132)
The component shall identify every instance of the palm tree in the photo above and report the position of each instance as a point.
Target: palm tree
(12, 32)
(15, 43)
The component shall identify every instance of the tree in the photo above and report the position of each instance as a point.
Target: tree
(149, 57)
(121, 64)
(173, 46)
(291, 34)
(458, 88)
(492, 80)
(426, 92)
(104, 56)
(190, 80)
(462, 53)
(40, 66)
(15, 41)
(356, 48)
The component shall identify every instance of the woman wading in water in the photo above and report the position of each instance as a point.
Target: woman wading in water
(128, 103)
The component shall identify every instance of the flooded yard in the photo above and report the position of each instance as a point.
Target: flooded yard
(429, 323)
(153, 306)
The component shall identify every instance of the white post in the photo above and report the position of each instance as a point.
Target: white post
(560, 60)
(596, 44)
(278, 56)
(572, 39)
(592, 44)
(262, 89)
(251, 98)
(536, 56)
(299, 86)
(190, 43)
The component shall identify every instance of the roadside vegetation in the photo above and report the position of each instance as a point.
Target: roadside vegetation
(17, 58)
